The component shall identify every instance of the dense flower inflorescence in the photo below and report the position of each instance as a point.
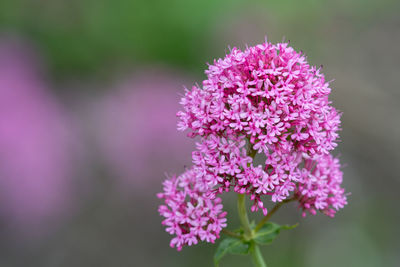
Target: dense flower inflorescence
(266, 101)
(319, 186)
(189, 213)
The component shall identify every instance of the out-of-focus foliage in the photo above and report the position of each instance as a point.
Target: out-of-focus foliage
(85, 36)
(82, 35)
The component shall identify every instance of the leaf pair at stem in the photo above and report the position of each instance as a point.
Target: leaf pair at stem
(247, 239)
(240, 246)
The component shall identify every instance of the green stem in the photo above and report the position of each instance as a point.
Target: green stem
(270, 213)
(243, 217)
(248, 233)
(230, 233)
(258, 259)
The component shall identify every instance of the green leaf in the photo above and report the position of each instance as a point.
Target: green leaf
(231, 245)
(239, 230)
(269, 232)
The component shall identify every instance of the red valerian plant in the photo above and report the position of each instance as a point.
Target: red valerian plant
(265, 101)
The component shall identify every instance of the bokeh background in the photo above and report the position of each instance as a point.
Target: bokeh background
(88, 96)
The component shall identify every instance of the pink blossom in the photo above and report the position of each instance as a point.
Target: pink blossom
(265, 100)
(319, 186)
(189, 214)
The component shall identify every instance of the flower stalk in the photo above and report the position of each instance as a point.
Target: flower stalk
(243, 217)
(256, 255)
(270, 213)
(255, 252)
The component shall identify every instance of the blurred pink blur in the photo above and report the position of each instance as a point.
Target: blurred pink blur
(135, 129)
(35, 145)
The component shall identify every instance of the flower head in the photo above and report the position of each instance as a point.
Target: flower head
(319, 186)
(267, 101)
(189, 213)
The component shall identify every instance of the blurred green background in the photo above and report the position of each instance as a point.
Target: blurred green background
(88, 45)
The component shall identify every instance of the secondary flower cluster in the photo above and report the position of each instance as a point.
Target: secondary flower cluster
(266, 101)
(189, 213)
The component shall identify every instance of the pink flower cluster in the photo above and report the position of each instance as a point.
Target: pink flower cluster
(319, 186)
(189, 213)
(266, 101)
